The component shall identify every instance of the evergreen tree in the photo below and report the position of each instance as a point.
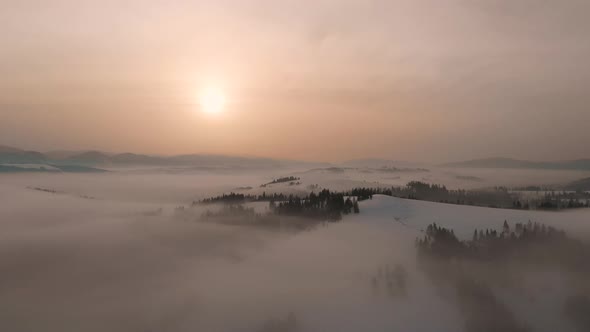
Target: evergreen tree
(355, 206)
(505, 228)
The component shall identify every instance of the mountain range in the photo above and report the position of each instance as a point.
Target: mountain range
(500, 162)
(12, 157)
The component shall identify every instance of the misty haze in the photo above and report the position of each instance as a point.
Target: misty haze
(290, 166)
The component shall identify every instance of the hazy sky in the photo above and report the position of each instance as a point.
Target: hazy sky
(318, 80)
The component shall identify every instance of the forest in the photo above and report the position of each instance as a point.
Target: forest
(293, 180)
(502, 259)
(497, 197)
(325, 205)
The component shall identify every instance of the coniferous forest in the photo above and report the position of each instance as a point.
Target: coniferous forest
(474, 270)
(497, 197)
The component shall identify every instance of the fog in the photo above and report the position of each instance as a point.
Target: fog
(73, 263)
(456, 178)
(109, 252)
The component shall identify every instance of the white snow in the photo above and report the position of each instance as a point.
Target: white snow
(417, 215)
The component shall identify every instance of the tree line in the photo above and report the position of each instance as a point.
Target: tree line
(325, 205)
(497, 197)
(530, 242)
(292, 179)
(237, 198)
(495, 259)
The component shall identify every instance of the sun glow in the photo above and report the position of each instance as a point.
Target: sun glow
(212, 100)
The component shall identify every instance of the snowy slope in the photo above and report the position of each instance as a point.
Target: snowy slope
(417, 215)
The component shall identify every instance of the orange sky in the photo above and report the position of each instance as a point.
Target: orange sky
(315, 80)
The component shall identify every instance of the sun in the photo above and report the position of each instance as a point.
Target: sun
(212, 100)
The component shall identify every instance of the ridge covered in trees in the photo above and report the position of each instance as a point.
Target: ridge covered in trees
(291, 179)
(325, 205)
(497, 197)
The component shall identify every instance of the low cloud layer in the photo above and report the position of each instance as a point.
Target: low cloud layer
(119, 264)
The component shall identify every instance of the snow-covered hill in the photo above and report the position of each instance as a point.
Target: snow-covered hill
(417, 215)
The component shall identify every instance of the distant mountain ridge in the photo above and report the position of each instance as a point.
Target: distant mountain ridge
(501, 162)
(378, 163)
(18, 156)
(47, 168)
(10, 155)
